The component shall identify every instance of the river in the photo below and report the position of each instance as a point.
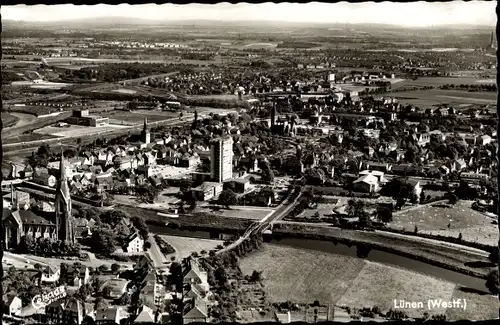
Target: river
(342, 249)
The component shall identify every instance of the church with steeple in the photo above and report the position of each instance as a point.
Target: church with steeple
(146, 134)
(64, 218)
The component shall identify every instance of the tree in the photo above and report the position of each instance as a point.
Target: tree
(106, 291)
(84, 292)
(125, 299)
(227, 198)
(384, 214)
(267, 175)
(115, 268)
(88, 320)
(102, 242)
(492, 282)
(256, 276)
(100, 303)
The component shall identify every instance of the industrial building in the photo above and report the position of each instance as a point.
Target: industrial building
(82, 117)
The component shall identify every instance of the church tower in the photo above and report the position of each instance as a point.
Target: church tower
(146, 135)
(64, 219)
(492, 40)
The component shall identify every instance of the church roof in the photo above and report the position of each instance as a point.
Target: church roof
(25, 217)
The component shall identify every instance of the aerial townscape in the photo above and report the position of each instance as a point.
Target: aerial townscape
(200, 170)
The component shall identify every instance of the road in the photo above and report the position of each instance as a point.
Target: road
(155, 253)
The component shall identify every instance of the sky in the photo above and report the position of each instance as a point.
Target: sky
(415, 14)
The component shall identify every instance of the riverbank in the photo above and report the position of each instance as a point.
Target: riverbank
(451, 258)
(441, 254)
(304, 275)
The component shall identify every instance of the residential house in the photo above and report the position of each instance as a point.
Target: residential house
(484, 140)
(50, 274)
(12, 304)
(469, 138)
(117, 287)
(195, 311)
(193, 275)
(366, 184)
(109, 316)
(87, 158)
(144, 264)
(76, 275)
(383, 167)
(378, 174)
(152, 290)
(146, 315)
(283, 318)
(192, 291)
(421, 139)
(83, 227)
(415, 184)
(239, 185)
(406, 170)
(207, 191)
(67, 311)
(387, 148)
(41, 176)
(437, 135)
(134, 244)
(28, 172)
(187, 160)
(464, 128)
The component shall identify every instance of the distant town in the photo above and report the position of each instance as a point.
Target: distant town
(224, 176)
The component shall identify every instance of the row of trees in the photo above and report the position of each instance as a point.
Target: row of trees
(44, 246)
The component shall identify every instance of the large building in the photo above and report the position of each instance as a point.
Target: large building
(82, 117)
(64, 218)
(221, 159)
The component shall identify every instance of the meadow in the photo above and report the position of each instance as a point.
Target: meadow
(473, 225)
(303, 276)
(429, 98)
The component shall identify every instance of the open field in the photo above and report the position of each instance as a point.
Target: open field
(478, 306)
(23, 119)
(379, 285)
(428, 98)
(76, 130)
(473, 225)
(438, 81)
(184, 246)
(9, 120)
(293, 274)
(304, 276)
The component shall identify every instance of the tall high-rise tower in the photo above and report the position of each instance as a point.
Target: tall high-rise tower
(221, 159)
(492, 40)
(273, 114)
(145, 134)
(64, 218)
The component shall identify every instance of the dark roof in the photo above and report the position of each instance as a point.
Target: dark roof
(26, 217)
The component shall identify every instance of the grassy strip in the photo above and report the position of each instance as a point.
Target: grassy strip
(165, 247)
